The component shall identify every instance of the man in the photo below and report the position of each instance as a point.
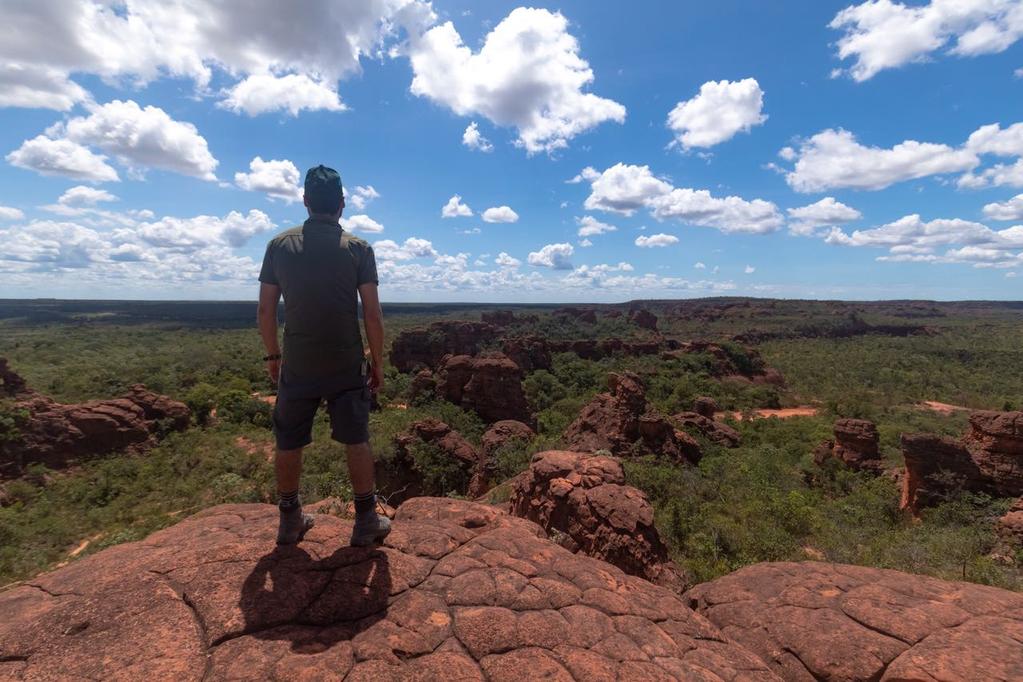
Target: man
(321, 270)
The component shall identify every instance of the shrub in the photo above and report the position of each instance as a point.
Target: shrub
(238, 407)
(201, 399)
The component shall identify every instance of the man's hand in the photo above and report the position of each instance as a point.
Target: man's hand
(376, 378)
(273, 368)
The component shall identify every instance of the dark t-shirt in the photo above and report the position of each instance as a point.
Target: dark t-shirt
(319, 268)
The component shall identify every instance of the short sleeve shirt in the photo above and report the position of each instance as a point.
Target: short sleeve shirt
(319, 268)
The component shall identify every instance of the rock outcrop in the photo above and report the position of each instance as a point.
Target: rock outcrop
(710, 428)
(1010, 525)
(587, 315)
(583, 500)
(988, 459)
(400, 476)
(415, 349)
(11, 383)
(615, 421)
(423, 385)
(530, 353)
(498, 435)
(705, 407)
(816, 621)
(641, 317)
(856, 445)
(489, 385)
(459, 591)
(57, 434)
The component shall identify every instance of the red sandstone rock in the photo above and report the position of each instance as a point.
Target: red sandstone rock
(423, 386)
(988, 459)
(1010, 525)
(585, 498)
(705, 407)
(498, 435)
(815, 621)
(459, 591)
(489, 385)
(529, 353)
(711, 429)
(616, 420)
(641, 317)
(855, 445)
(11, 383)
(56, 434)
(581, 314)
(417, 348)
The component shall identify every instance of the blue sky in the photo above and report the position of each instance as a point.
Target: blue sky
(812, 149)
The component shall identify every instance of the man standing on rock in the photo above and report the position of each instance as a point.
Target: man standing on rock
(322, 270)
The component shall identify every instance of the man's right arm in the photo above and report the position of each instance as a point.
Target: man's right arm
(373, 320)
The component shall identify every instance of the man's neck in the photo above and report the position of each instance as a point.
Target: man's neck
(324, 217)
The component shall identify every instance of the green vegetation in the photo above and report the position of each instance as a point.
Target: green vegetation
(763, 501)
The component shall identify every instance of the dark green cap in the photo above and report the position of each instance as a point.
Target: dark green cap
(323, 189)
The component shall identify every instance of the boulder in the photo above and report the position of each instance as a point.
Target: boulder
(57, 434)
(11, 383)
(489, 385)
(709, 428)
(705, 407)
(423, 386)
(988, 459)
(414, 349)
(530, 353)
(459, 591)
(641, 317)
(855, 445)
(502, 432)
(399, 475)
(583, 500)
(1010, 525)
(817, 621)
(615, 421)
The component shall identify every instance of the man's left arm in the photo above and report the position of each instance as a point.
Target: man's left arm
(266, 315)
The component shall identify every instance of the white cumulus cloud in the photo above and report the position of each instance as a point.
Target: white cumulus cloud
(32, 86)
(749, 269)
(528, 75)
(1006, 210)
(11, 213)
(824, 213)
(656, 240)
(881, 34)
(590, 226)
(189, 234)
(47, 156)
(833, 159)
(80, 195)
(361, 196)
(278, 178)
(500, 214)
(555, 256)
(506, 261)
(361, 223)
(473, 139)
(721, 110)
(455, 208)
(413, 247)
(262, 93)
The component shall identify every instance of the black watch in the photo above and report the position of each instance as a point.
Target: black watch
(272, 356)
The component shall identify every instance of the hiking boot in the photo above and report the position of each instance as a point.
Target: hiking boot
(293, 527)
(370, 529)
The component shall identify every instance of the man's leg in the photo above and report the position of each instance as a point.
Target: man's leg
(293, 424)
(369, 526)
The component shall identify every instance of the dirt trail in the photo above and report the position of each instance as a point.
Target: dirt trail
(785, 413)
(942, 408)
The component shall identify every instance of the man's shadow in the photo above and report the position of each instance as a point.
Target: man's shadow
(315, 603)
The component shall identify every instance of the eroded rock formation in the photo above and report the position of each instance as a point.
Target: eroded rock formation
(616, 420)
(505, 432)
(1010, 525)
(415, 349)
(816, 621)
(490, 385)
(57, 434)
(641, 317)
(711, 429)
(585, 500)
(988, 459)
(459, 591)
(856, 445)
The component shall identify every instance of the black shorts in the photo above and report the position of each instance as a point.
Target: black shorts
(295, 410)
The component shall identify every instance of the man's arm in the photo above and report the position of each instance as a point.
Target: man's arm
(373, 320)
(266, 315)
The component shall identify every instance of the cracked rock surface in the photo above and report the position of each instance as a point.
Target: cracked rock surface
(818, 621)
(460, 591)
